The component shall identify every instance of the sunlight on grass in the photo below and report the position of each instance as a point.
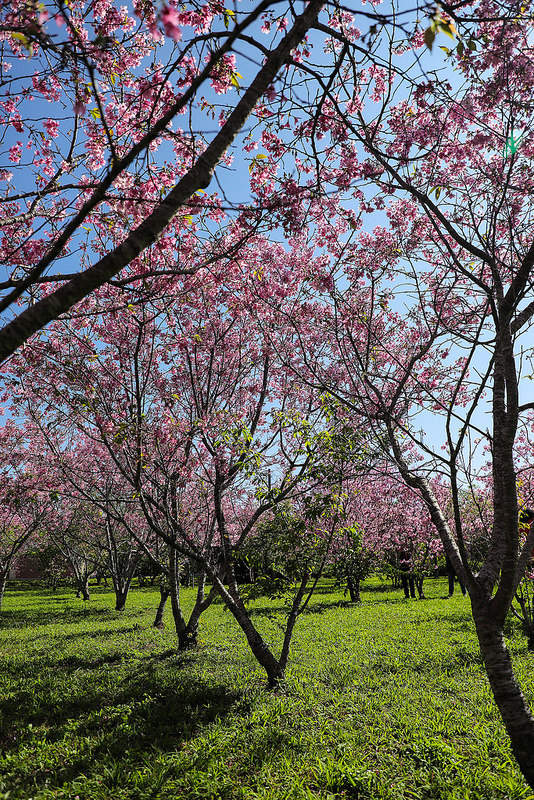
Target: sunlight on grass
(386, 699)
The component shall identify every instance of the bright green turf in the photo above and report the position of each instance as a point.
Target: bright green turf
(383, 700)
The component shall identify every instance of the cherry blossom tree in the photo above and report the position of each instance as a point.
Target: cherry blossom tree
(110, 89)
(181, 418)
(109, 147)
(26, 505)
(392, 520)
(422, 326)
(73, 529)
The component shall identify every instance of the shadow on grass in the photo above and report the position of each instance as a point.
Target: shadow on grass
(69, 665)
(381, 588)
(138, 710)
(126, 723)
(63, 616)
(311, 608)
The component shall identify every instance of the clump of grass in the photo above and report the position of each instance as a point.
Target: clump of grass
(386, 699)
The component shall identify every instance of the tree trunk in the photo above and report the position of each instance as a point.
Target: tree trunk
(353, 585)
(291, 621)
(120, 598)
(419, 587)
(510, 700)
(3, 581)
(201, 604)
(174, 586)
(83, 588)
(260, 649)
(164, 592)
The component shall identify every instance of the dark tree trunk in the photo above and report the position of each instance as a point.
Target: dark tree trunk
(353, 585)
(510, 700)
(83, 588)
(120, 599)
(190, 635)
(174, 586)
(164, 592)
(3, 581)
(291, 621)
(260, 649)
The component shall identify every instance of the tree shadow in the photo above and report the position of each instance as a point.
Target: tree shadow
(24, 618)
(312, 608)
(126, 721)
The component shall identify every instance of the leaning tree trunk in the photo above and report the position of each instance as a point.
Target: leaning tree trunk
(164, 592)
(510, 700)
(82, 582)
(260, 649)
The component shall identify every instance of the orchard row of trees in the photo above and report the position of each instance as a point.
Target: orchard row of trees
(227, 346)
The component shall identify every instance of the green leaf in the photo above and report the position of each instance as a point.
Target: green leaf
(448, 27)
(20, 37)
(234, 81)
(429, 37)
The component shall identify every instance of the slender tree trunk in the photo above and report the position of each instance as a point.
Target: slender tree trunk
(3, 581)
(83, 587)
(177, 614)
(419, 587)
(291, 621)
(260, 649)
(510, 700)
(164, 592)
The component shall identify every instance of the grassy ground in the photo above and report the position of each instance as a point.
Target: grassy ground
(384, 700)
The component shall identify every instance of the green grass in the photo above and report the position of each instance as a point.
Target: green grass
(384, 700)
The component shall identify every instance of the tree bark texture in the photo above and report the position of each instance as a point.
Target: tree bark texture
(164, 592)
(120, 598)
(174, 586)
(509, 698)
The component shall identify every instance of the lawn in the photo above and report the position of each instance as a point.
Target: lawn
(387, 699)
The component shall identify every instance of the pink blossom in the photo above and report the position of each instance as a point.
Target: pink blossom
(52, 127)
(15, 152)
(169, 18)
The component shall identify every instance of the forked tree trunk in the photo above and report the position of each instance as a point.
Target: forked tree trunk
(510, 700)
(201, 604)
